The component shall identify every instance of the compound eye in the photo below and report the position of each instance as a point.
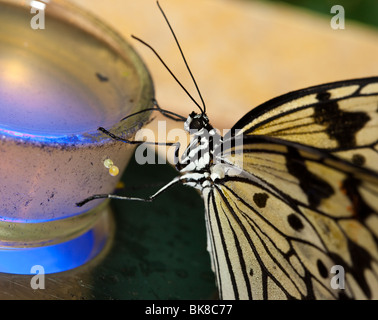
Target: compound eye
(196, 124)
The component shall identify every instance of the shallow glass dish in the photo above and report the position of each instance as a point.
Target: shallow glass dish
(63, 74)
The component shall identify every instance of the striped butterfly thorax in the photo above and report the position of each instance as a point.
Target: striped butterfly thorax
(290, 194)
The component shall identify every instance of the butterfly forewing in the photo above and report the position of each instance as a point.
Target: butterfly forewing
(340, 117)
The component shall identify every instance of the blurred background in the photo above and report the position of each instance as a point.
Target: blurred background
(243, 53)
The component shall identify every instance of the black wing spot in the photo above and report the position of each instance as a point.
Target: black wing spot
(340, 125)
(360, 209)
(323, 96)
(260, 199)
(251, 272)
(322, 269)
(295, 222)
(315, 188)
(361, 261)
(358, 159)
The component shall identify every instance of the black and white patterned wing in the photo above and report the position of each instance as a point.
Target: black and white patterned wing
(339, 117)
(282, 215)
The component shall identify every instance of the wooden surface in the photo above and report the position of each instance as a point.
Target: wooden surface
(242, 53)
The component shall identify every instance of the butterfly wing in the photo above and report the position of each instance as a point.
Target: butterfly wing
(340, 117)
(283, 215)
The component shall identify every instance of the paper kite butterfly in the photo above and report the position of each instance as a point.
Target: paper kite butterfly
(290, 193)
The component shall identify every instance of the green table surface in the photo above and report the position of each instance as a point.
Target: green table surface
(158, 250)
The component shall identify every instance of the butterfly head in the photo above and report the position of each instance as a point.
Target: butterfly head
(196, 121)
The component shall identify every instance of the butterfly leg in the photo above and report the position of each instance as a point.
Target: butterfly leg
(169, 114)
(113, 196)
(156, 107)
(118, 138)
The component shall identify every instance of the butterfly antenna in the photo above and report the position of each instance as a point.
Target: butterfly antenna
(183, 57)
(169, 70)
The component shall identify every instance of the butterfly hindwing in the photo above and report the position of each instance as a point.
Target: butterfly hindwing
(291, 213)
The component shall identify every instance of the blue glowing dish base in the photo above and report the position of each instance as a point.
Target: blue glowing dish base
(55, 258)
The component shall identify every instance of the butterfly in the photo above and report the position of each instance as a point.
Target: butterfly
(290, 193)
